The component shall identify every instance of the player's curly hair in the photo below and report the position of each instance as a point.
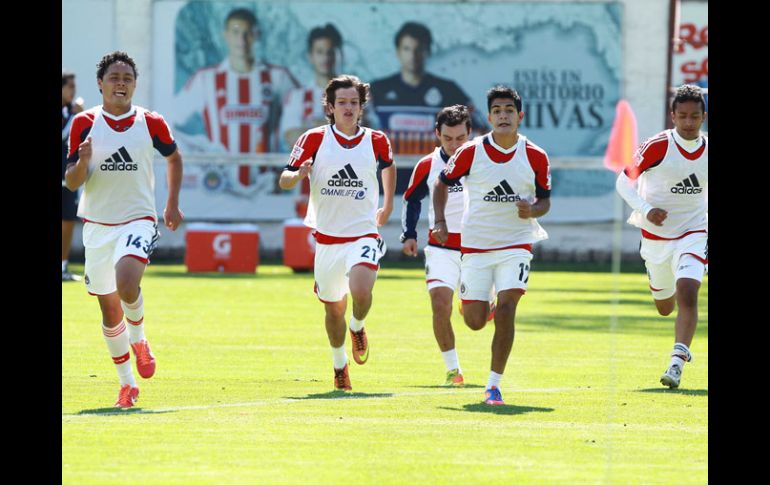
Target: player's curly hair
(344, 81)
(453, 116)
(504, 92)
(112, 58)
(328, 31)
(688, 92)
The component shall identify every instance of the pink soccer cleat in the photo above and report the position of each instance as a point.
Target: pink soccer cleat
(127, 397)
(145, 361)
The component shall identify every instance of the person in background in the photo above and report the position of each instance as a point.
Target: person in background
(69, 207)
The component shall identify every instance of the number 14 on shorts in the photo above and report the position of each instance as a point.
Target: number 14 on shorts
(137, 243)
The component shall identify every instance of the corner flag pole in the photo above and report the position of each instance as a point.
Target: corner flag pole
(619, 155)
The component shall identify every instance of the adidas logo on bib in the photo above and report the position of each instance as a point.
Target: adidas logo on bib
(690, 185)
(345, 178)
(119, 161)
(502, 193)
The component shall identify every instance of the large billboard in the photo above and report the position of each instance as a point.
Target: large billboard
(225, 87)
(243, 78)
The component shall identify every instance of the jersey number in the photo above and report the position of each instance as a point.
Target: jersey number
(137, 243)
(524, 270)
(368, 249)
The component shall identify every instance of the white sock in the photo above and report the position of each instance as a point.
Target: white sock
(135, 317)
(117, 344)
(451, 361)
(64, 265)
(494, 380)
(355, 324)
(680, 355)
(339, 356)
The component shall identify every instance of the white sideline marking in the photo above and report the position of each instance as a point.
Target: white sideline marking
(263, 402)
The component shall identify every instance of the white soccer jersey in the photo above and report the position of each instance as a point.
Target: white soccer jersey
(303, 109)
(121, 182)
(677, 184)
(491, 219)
(344, 191)
(240, 111)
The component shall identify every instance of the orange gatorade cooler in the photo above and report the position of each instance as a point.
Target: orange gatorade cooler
(298, 245)
(229, 248)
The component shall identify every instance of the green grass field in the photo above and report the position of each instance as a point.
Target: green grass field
(243, 389)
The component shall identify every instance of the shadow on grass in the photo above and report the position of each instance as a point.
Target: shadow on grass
(686, 392)
(466, 386)
(505, 409)
(117, 412)
(341, 395)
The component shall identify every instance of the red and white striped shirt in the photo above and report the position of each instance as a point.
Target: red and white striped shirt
(303, 109)
(240, 111)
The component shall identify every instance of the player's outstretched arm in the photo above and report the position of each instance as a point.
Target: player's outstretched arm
(172, 215)
(289, 179)
(77, 172)
(389, 190)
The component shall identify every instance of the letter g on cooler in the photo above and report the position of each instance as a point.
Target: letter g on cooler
(222, 245)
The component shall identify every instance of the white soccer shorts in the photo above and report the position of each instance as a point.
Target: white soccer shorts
(506, 269)
(334, 261)
(106, 245)
(442, 268)
(668, 261)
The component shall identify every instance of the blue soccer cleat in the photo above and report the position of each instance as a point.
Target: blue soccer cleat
(493, 397)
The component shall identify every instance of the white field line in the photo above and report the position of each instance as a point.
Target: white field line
(263, 402)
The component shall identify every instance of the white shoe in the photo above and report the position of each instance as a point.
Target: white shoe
(672, 376)
(67, 276)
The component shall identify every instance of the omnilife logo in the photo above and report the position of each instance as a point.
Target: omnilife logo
(502, 193)
(690, 185)
(345, 178)
(120, 161)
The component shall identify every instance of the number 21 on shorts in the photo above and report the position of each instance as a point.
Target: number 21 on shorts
(370, 250)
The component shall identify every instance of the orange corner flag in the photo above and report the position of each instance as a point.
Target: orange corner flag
(623, 139)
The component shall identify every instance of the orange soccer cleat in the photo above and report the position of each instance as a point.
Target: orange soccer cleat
(342, 379)
(360, 346)
(454, 378)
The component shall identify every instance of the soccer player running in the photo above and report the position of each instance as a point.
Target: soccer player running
(111, 152)
(442, 261)
(507, 186)
(341, 159)
(670, 203)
